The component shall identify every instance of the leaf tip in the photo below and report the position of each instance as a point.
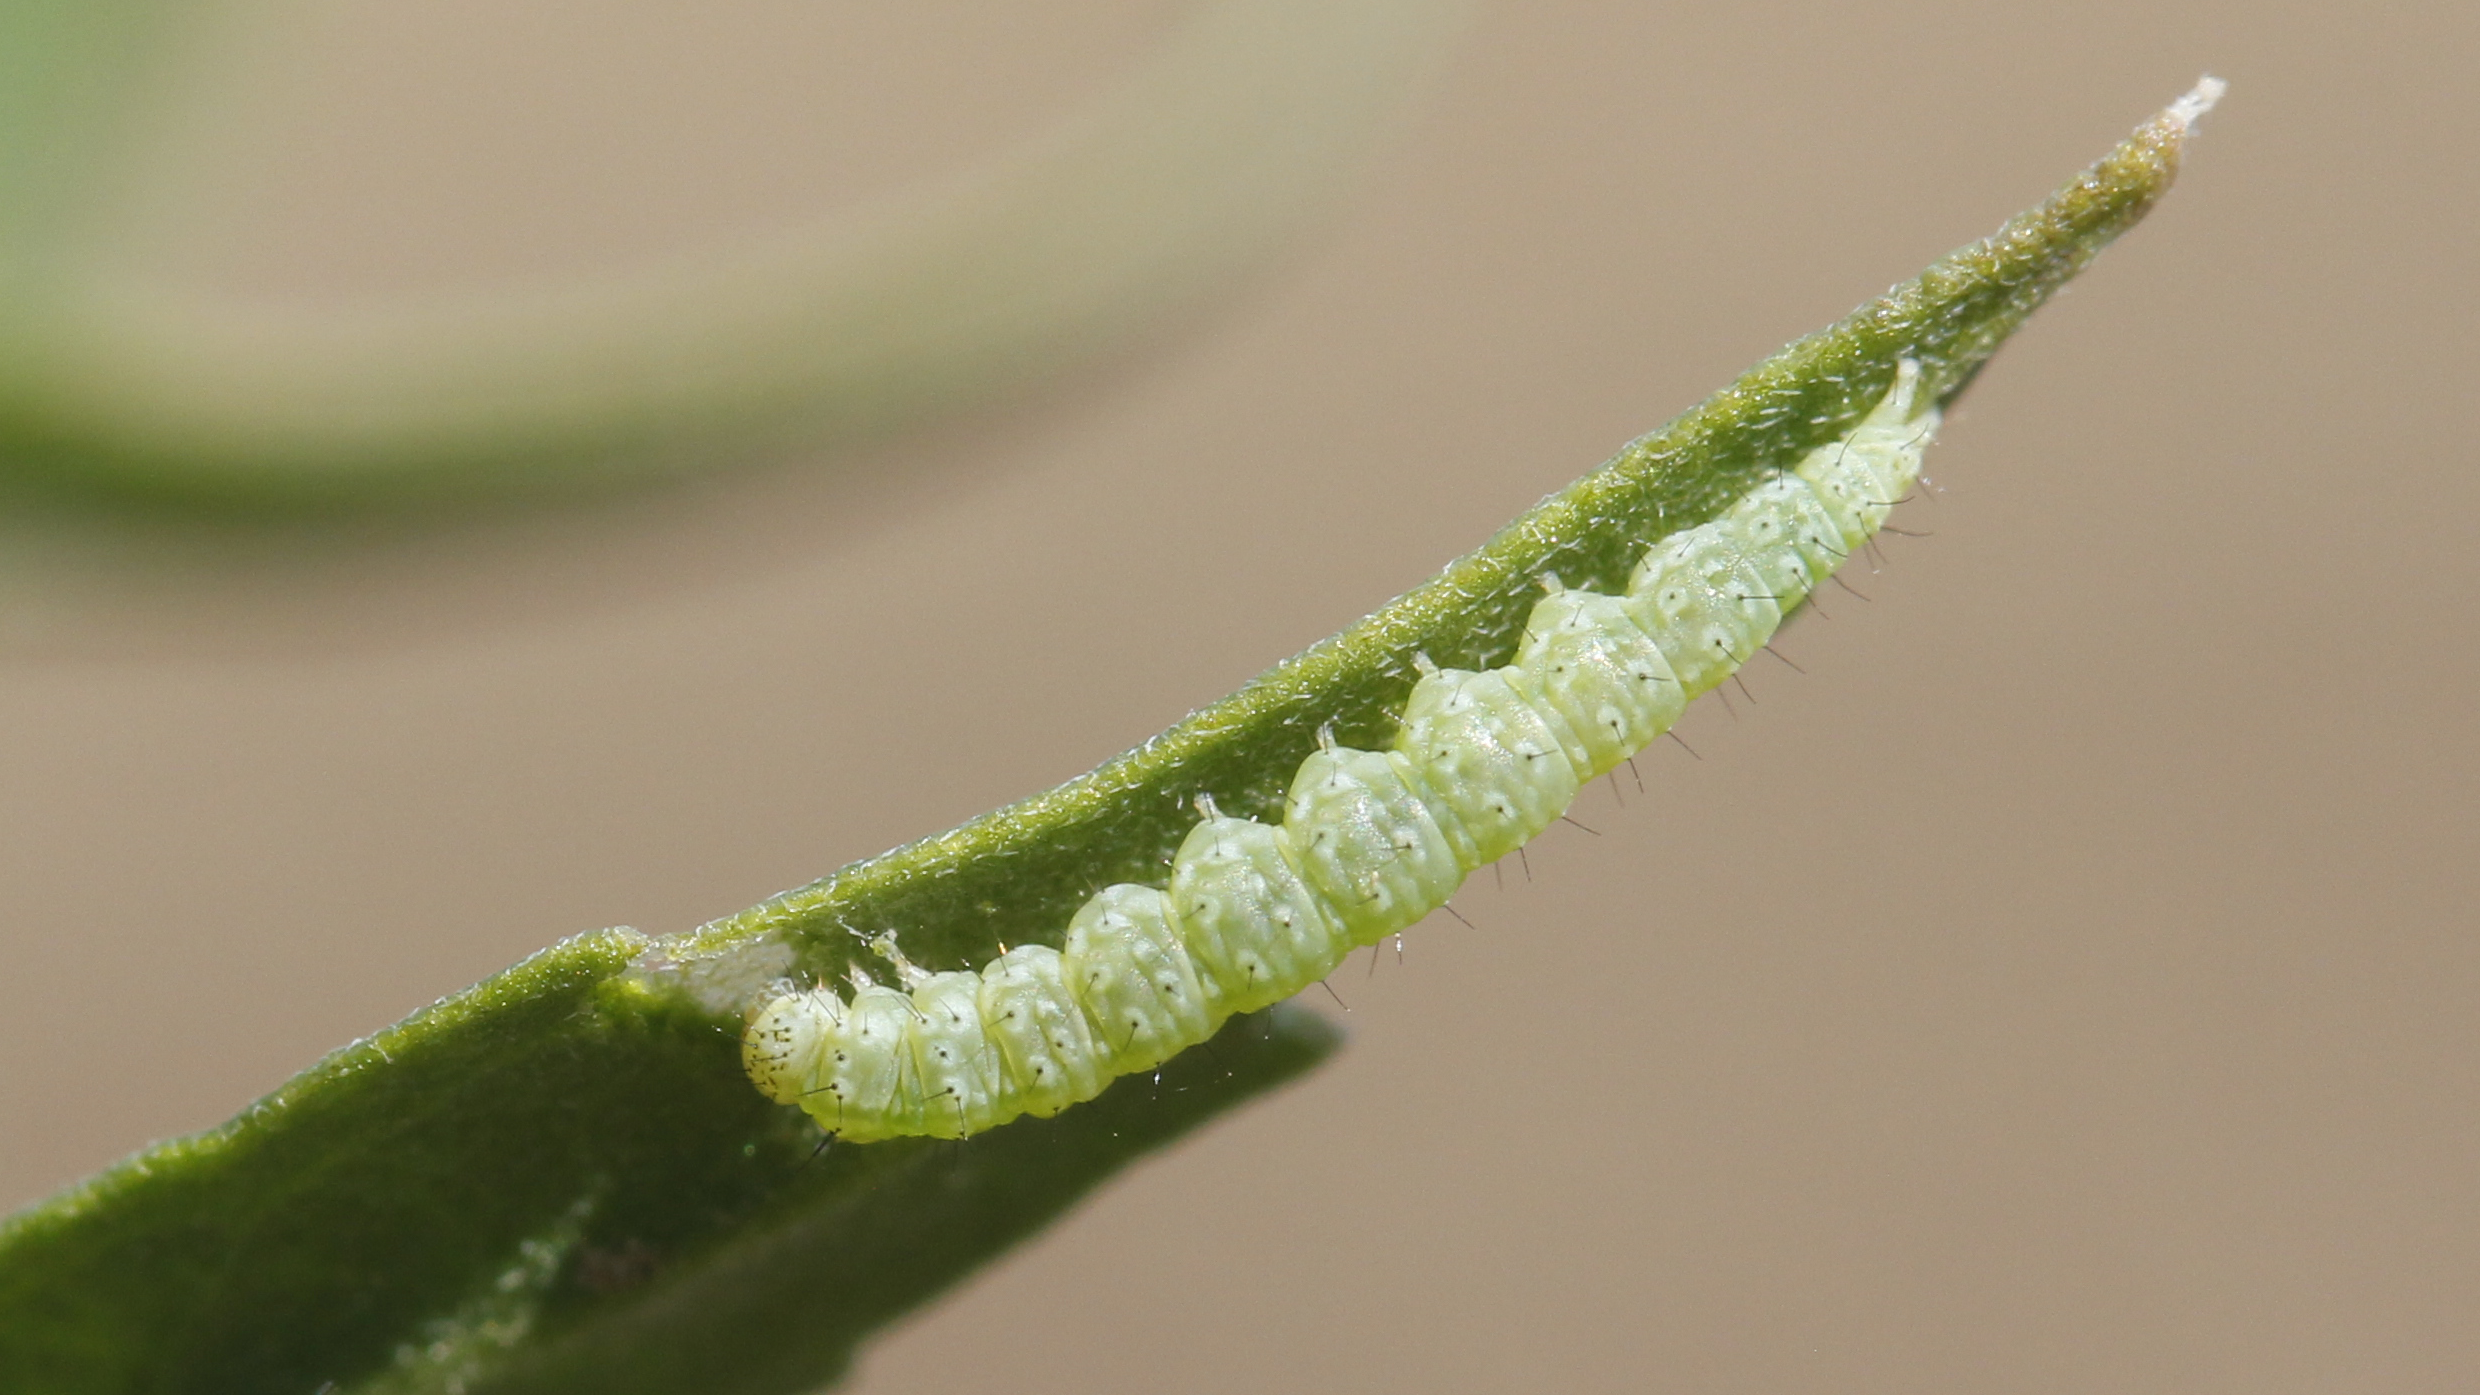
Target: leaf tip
(2166, 134)
(2184, 112)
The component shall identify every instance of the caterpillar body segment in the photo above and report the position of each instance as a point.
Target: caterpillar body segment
(951, 1052)
(1789, 536)
(1251, 920)
(1860, 478)
(1584, 655)
(867, 1071)
(1043, 1041)
(1135, 980)
(1370, 842)
(1494, 762)
(1707, 606)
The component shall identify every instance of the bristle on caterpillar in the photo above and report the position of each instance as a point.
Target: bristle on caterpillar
(1370, 842)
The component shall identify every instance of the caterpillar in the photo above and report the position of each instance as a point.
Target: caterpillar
(1370, 841)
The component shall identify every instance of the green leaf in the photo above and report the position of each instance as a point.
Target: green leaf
(559, 1184)
(561, 1180)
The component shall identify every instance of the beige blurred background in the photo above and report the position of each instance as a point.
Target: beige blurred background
(2068, 984)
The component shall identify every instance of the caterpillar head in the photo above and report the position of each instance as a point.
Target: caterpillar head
(785, 1043)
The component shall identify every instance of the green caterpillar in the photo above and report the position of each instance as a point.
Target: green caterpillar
(1370, 842)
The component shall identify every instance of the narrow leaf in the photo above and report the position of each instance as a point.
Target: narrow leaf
(561, 1179)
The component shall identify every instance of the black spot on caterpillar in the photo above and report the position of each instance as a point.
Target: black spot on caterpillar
(1370, 842)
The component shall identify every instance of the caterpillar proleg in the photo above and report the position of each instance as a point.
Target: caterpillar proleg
(1370, 841)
